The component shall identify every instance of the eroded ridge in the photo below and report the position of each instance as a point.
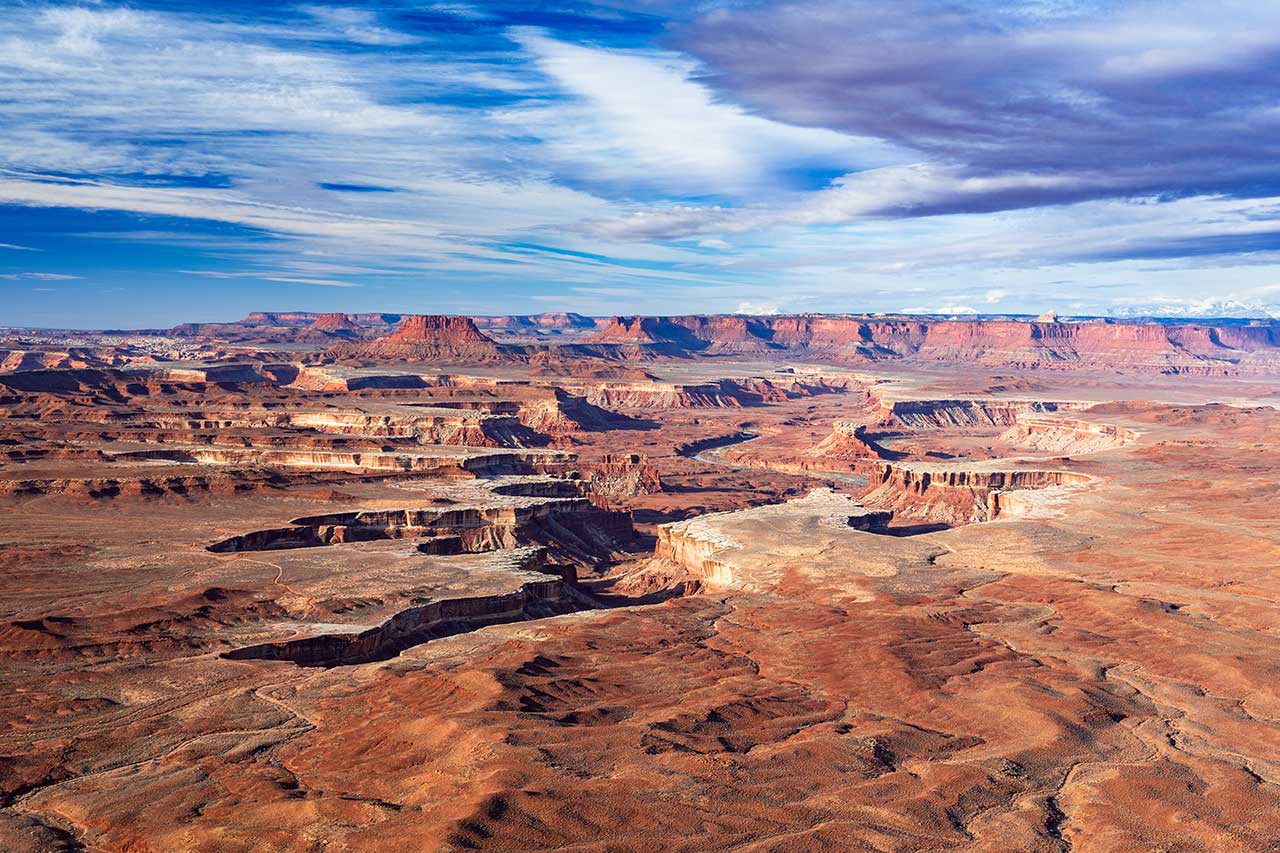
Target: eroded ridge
(570, 524)
(413, 626)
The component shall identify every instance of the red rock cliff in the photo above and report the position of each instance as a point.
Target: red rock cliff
(428, 337)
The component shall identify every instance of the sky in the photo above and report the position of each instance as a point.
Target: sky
(165, 161)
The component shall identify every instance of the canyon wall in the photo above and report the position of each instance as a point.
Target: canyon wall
(956, 494)
(573, 529)
(937, 414)
(1180, 348)
(1067, 435)
(415, 625)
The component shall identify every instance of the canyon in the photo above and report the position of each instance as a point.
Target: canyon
(352, 581)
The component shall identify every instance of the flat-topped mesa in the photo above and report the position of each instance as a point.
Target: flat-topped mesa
(646, 337)
(372, 319)
(954, 494)
(343, 325)
(733, 335)
(1067, 435)
(943, 414)
(562, 320)
(1199, 349)
(718, 394)
(438, 328)
(1218, 347)
(428, 337)
(278, 318)
(547, 321)
(749, 548)
(630, 330)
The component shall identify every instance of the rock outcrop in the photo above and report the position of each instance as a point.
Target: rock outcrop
(534, 600)
(623, 475)
(956, 494)
(340, 325)
(574, 529)
(944, 414)
(847, 443)
(428, 338)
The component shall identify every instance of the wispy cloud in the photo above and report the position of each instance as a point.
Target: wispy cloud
(268, 276)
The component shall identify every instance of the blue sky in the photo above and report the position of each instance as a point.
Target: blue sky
(166, 161)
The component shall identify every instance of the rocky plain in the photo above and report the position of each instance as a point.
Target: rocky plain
(367, 582)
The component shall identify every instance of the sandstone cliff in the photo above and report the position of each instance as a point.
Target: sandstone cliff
(428, 338)
(848, 442)
(342, 325)
(1177, 348)
(956, 494)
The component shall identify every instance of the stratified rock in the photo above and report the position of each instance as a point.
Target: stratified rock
(620, 475)
(848, 442)
(342, 325)
(431, 338)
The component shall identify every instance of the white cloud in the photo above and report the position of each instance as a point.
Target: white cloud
(638, 117)
(757, 308)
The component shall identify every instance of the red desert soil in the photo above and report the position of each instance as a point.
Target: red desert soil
(280, 603)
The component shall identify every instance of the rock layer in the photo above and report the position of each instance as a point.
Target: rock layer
(428, 338)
